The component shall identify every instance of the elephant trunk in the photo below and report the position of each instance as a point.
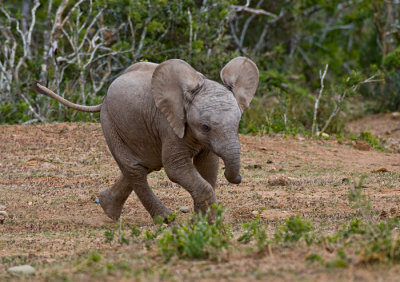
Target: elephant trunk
(230, 154)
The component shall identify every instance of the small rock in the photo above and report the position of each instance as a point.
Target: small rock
(96, 201)
(35, 161)
(22, 269)
(278, 181)
(362, 145)
(382, 169)
(272, 101)
(263, 149)
(392, 144)
(3, 216)
(184, 209)
(255, 213)
(323, 134)
(269, 162)
(395, 115)
(30, 204)
(255, 166)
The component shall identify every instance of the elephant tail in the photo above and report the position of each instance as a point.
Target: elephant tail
(45, 91)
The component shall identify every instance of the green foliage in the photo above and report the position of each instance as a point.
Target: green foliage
(372, 242)
(120, 233)
(381, 242)
(109, 235)
(95, 257)
(391, 61)
(135, 231)
(13, 113)
(369, 240)
(373, 141)
(289, 50)
(122, 239)
(341, 260)
(315, 258)
(254, 230)
(294, 229)
(197, 239)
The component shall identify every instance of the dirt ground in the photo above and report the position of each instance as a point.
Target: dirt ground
(50, 175)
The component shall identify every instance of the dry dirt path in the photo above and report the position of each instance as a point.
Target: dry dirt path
(50, 175)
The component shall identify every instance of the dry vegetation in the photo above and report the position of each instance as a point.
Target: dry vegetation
(50, 175)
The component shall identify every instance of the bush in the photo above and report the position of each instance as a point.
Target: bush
(255, 230)
(294, 229)
(198, 239)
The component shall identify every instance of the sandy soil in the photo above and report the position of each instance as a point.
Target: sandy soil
(50, 176)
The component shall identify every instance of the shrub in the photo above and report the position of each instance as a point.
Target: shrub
(197, 239)
(254, 230)
(294, 229)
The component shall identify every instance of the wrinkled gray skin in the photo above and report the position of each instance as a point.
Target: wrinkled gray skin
(171, 116)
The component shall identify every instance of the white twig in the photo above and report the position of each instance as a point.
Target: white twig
(256, 12)
(340, 100)
(190, 32)
(322, 77)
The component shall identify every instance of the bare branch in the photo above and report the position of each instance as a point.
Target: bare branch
(256, 12)
(341, 97)
(322, 77)
(190, 32)
(67, 17)
(33, 22)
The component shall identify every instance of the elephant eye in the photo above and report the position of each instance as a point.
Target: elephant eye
(205, 128)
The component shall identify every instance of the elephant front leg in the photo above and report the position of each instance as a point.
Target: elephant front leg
(207, 163)
(180, 169)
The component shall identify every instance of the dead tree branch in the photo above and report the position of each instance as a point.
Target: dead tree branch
(322, 77)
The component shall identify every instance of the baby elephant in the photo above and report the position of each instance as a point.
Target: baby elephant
(169, 115)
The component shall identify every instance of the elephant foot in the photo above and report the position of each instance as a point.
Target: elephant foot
(162, 216)
(205, 207)
(111, 207)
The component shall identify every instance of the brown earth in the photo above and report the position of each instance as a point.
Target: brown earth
(50, 176)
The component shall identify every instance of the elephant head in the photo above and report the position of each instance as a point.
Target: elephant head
(198, 107)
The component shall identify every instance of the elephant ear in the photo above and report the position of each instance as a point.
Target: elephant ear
(241, 75)
(173, 84)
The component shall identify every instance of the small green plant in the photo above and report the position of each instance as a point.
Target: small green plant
(196, 239)
(119, 230)
(381, 242)
(159, 222)
(294, 229)
(95, 257)
(254, 230)
(341, 260)
(315, 258)
(371, 240)
(135, 231)
(109, 235)
(356, 226)
(121, 233)
(359, 201)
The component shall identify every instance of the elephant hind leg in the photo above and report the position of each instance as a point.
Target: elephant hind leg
(134, 177)
(112, 200)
